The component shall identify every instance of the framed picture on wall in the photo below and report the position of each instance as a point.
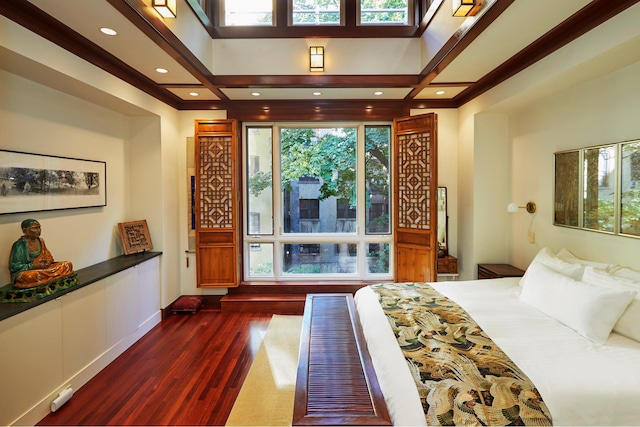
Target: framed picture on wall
(34, 182)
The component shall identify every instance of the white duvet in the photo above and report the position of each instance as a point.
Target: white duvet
(581, 382)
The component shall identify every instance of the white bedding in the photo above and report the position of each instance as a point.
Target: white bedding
(581, 382)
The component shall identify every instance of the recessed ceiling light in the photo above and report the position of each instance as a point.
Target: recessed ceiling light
(317, 93)
(162, 70)
(255, 93)
(378, 93)
(108, 31)
(440, 92)
(194, 94)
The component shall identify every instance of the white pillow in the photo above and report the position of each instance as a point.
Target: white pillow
(627, 273)
(549, 259)
(591, 311)
(567, 256)
(628, 324)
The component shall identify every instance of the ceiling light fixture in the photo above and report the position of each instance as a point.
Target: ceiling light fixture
(440, 92)
(378, 93)
(194, 94)
(255, 93)
(466, 7)
(316, 58)
(317, 93)
(108, 31)
(162, 70)
(166, 8)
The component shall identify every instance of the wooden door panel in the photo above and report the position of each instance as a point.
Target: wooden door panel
(415, 197)
(217, 204)
(413, 263)
(216, 266)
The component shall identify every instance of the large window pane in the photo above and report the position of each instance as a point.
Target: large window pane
(332, 258)
(382, 12)
(322, 209)
(244, 12)
(315, 12)
(318, 175)
(630, 183)
(599, 188)
(377, 179)
(259, 179)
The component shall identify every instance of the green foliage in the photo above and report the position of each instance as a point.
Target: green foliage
(379, 16)
(266, 268)
(630, 218)
(330, 157)
(259, 181)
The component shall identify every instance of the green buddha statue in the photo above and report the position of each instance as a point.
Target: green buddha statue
(30, 262)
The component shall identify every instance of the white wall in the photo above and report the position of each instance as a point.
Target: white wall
(584, 94)
(601, 111)
(37, 119)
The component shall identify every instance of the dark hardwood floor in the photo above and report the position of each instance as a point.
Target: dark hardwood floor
(186, 371)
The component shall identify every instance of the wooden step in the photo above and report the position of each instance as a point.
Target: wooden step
(280, 297)
(263, 303)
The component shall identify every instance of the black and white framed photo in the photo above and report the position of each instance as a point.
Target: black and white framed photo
(34, 182)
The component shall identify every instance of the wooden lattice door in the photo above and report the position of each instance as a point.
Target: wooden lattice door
(415, 198)
(216, 204)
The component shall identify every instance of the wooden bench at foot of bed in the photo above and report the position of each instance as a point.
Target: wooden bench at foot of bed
(336, 383)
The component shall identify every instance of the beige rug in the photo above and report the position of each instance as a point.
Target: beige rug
(266, 397)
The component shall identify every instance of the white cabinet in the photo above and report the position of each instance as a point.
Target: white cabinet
(66, 341)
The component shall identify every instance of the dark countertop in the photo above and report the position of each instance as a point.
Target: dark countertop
(86, 276)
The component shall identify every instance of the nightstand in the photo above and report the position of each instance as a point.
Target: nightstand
(495, 271)
(447, 268)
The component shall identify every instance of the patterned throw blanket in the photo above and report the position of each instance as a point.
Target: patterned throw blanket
(463, 378)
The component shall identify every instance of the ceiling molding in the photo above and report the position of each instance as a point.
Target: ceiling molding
(583, 21)
(38, 22)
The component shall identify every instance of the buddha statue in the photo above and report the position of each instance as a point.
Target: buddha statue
(30, 262)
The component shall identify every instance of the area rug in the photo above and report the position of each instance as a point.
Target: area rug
(266, 396)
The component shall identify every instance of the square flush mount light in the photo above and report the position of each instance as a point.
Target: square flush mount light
(466, 7)
(316, 58)
(166, 8)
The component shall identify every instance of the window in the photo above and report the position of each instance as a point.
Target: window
(630, 189)
(243, 12)
(328, 189)
(344, 210)
(597, 188)
(315, 18)
(316, 12)
(309, 209)
(384, 12)
(599, 166)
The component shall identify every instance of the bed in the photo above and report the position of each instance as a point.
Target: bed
(582, 353)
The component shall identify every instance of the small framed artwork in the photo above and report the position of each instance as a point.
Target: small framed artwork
(135, 236)
(35, 182)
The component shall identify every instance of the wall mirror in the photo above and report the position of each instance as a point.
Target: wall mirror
(443, 243)
(598, 188)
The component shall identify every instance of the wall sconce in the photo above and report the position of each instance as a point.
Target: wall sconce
(166, 8)
(530, 207)
(466, 7)
(316, 58)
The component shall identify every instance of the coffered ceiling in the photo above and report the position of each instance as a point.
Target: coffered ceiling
(449, 63)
